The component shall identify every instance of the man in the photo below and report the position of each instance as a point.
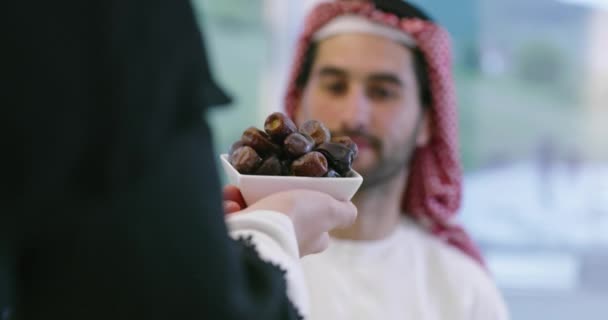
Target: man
(111, 204)
(379, 72)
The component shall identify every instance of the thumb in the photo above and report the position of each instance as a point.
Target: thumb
(344, 214)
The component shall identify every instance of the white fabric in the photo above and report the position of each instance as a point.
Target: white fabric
(407, 276)
(357, 24)
(275, 240)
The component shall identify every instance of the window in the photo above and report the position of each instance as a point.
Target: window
(532, 79)
(533, 97)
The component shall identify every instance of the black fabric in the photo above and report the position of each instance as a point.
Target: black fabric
(111, 205)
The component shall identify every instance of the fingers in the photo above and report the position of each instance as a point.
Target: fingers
(232, 193)
(312, 213)
(231, 207)
(335, 214)
(343, 213)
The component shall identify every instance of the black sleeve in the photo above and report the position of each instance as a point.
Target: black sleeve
(111, 205)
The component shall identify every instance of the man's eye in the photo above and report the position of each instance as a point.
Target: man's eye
(380, 93)
(336, 88)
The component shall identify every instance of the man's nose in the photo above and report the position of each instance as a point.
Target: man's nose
(357, 109)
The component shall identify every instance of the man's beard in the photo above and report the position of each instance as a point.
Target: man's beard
(389, 166)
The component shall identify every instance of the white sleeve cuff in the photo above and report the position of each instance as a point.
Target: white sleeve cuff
(274, 238)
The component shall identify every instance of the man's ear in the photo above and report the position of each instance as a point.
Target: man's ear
(424, 129)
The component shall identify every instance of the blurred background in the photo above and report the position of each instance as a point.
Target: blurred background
(532, 80)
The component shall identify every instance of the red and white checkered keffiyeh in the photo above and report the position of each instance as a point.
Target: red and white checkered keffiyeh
(434, 185)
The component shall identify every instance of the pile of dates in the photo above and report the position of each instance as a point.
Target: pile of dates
(282, 149)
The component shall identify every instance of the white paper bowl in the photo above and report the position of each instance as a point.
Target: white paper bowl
(255, 187)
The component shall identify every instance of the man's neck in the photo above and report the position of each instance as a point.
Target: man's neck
(379, 210)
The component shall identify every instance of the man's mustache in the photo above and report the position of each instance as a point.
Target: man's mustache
(357, 134)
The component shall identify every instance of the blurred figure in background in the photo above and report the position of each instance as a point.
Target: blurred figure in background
(379, 72)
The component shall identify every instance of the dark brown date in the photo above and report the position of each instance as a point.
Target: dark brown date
(259, 141)
(312, 164)
(245, 160)
(297, 144)
(235, 146)
(347, 141)
(279, 126)
(286, 168)
(270, 167)
(340, 157)
(316, 130)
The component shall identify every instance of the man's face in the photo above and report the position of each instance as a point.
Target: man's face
(365, 87)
